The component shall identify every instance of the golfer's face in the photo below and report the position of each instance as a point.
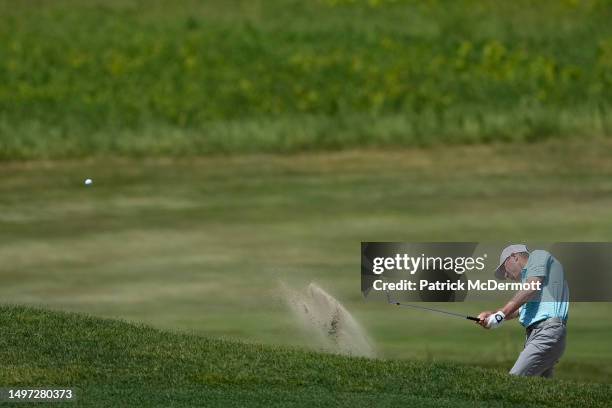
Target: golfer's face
(512, 268)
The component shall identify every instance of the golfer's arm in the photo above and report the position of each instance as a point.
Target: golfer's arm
(514, 315)
(521, 297)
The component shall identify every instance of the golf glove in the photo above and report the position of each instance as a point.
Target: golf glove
(496, 320)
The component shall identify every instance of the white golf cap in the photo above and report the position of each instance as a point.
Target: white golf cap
(500, 272)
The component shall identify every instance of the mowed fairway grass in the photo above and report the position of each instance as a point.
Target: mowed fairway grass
(111, 363)
(201, 245)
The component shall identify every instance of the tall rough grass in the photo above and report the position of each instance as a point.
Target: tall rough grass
(131, 77)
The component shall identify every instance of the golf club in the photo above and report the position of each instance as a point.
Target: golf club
(429, 308)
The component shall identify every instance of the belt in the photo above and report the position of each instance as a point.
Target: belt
(541, 323)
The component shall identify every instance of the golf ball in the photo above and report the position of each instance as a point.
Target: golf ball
(88, 182)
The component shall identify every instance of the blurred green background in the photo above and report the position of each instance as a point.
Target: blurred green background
(237, 144)
(143, 78)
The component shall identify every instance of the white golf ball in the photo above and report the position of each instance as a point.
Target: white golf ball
(88, 182)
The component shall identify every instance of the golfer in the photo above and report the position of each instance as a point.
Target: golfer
(542, 312)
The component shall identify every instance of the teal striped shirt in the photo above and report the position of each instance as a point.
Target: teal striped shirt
(553, 299)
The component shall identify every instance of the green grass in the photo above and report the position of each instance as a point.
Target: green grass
(199, 245)
(112, 363)
(81, 78)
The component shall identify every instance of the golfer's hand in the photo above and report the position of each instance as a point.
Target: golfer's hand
(484, 316)
(496, 320)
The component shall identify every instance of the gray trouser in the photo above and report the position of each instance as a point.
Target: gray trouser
(544, 346)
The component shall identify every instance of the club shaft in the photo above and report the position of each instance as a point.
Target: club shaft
(429, 308)
(438, 311)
